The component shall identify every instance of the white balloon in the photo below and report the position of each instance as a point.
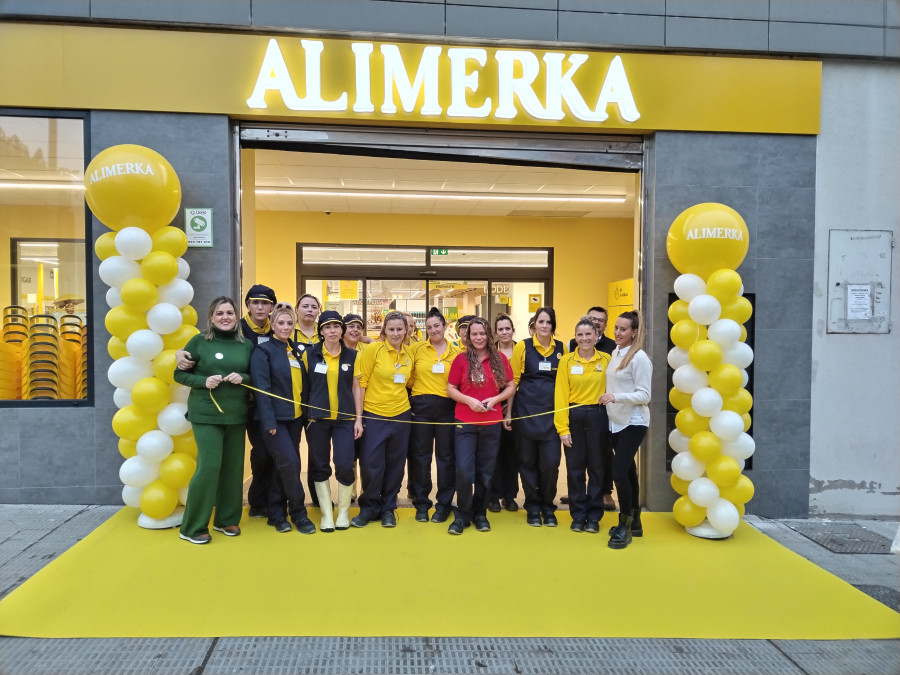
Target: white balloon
(138, 472)
(117, 269)
(122, 397)
(723, 516)
(727, 425)
(125, 372)
(739, 354)
(131, 496)
(144, 344)
(678, 357)
(689, 379)
(182, 495)
(704, 309)
(184, 269)
(745, 378)
(724, 332)
(180, 393)
(133, 243)
(688, 286)
(177, 292)
(706, 401)
(703, 492)
(741, 447)
(678, 441)
(164, 318)
(171, 419)
(113, 297)
(687, 467)
(155, 445)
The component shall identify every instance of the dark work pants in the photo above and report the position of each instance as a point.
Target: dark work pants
(382, 456)
(607, 466)
(476, 455)
(325, 437)
(286, 493)
(505, 484)
(589, 428)
(425, 439)
(539, 467)
(625, 446)
(260, 468)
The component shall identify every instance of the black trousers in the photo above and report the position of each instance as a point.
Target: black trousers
(260, 467)
(476, 455)
(539, 467)
(505, 484)
(327, 437)
(589, 428)
(286, 490)
(382, 456)
(428, 439)
(625, 446)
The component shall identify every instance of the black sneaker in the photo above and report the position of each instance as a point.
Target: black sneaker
(305, 526)
(197, 538)
(421, 515)
(533, 519)
(577, 526)
(510, 505)
(388, 519)
(592, 526)
(440, 515)
(282, 526)
(457, 527)
(550, 520)
(254, 512)
(493, 506)
(481, 523)
(359, 521)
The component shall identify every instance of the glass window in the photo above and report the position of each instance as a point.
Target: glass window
(383, 296)
(349, 255)
(485, 257)
(43, 291)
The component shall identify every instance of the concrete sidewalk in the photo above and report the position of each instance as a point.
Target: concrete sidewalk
(32, 536)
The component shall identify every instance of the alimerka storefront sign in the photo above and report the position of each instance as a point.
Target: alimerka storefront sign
(251, 76)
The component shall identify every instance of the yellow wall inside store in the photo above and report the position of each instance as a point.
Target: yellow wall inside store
(588, 253)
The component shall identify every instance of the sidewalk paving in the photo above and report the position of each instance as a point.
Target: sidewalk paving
(31, 536)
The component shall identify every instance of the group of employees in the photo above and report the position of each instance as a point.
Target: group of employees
(488, 409)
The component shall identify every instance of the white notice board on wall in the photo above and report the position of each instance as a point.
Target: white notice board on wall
(859, 281)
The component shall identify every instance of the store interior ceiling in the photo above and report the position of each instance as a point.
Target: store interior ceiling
(332, 183)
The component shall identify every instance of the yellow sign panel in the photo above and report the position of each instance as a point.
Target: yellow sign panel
(621, 293)
(349, 290)
(535, 302)
(255, 76)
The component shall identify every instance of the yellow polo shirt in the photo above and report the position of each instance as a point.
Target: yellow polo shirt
(304, 339)
(384, 372)
(517, 362)
(578, 380)
(296, 381)
(430, 372)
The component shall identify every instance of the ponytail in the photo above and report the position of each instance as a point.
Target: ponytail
(638, 342)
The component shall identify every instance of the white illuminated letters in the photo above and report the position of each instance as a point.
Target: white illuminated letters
(617, 90)
(461, 83)
(426, 76)
(511, 86)
(273, 74)
(362, 51)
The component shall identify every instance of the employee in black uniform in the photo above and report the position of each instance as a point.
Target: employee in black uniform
(534, 364)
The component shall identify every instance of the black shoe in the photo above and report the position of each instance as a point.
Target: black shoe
(254, 512)
(608, 503)
(493, 506)
(621, 533)
(510, 505)
(550, 520)
(421, 515)
(533, 519)
(481, 523)
(564, 499)
(637, 530)
(577, 526)
(305, 526)
(272, 522)
(282, 526)
(389, 519)
(440, 514)
(196, 538)
(457, 527)
(359, 521)
(592, 526)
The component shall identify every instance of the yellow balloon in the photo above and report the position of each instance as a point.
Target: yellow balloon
(116, 348)
(724, 284)
(185, 444)
(179, 338)
(705, 354)
(159, 267)
(679, 399)
(188, 316)
(127, 448)
(705, 446)
(686, 332)
(177, 469)
(740, 402)
(130, 185)
(131, 422)
(105, 246)
(741, 509)
(150, 394)
(158, 500)
(688, 422)
(122, 321)
(739, 310)
(172, 240)
(687, 513)
(679, 485)
(707, 237)
(164, 366)
(724, 471)
(139, 294)
(726, 379)
(678, 311)
(743, 337)
(740, 493)
(747, 421)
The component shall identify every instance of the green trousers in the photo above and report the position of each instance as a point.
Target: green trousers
(218, 480)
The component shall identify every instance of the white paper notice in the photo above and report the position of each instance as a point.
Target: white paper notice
(859, 302)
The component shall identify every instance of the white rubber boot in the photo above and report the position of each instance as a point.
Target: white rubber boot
(323, 492)
(345, 492)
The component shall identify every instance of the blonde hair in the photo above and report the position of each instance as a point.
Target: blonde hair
(637, 344)
(393, 315)
(213, 306)
(282, 308)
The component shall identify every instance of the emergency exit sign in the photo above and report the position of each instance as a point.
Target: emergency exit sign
(439, 251)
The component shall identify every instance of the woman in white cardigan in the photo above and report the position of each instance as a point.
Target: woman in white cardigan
(626, 399)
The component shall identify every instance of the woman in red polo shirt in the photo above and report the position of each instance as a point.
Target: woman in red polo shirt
(480, 380)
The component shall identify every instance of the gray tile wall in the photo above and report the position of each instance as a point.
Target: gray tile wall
(70, 455)
(770, 181)
(868, 28)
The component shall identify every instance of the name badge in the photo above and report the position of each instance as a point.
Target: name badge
(321, 367)
(294, 363)
(261, 339)
(437, 368)
(578, 370)
(399, 378)
(545, 365)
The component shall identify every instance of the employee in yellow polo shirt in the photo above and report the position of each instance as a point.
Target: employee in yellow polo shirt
(429, 401)
(583, 430)
(385, 367)
(308, 308)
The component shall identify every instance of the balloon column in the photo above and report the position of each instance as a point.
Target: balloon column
(706, 243)
(135, 192)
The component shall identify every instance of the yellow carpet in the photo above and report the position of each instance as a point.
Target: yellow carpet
(416, 580)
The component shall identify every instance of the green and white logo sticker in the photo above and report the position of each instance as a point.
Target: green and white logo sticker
(199, 227)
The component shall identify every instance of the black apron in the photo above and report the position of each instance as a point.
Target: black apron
(536, 393)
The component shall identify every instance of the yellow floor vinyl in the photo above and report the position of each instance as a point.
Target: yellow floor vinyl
(416, 580)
